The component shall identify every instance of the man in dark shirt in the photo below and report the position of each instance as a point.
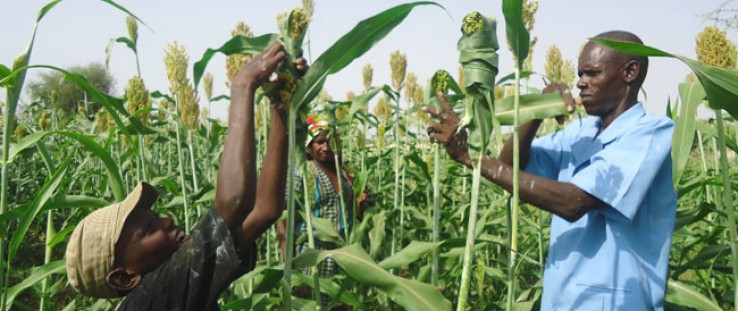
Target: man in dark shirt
(125, 249)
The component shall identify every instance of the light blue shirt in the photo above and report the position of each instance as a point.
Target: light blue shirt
(615, 257)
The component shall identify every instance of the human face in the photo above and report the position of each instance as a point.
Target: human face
(320, 148)
(147, 241)
(601, 85)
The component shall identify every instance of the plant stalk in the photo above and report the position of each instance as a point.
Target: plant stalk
(470, 236)
(290, 243)
(515, 196)
(436, 209)
(728, 206)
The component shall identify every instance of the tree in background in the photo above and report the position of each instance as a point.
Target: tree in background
(725, 14)
(69, 97)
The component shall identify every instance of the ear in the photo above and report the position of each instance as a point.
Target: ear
(631, 70)
(123, 280)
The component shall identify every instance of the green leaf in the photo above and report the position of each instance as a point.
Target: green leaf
(410, 253)
(680, 294)
(54, 267)
(4, 72)
(365, 97)
(720, 84)
(355, 262)
(114, 178)
(236, 45)
(64, 201)
(325, 230)
(46, 10)
(127, 41)
(712, 131)
(39, 201)
(348, 48)
(377, 234)
(60, 236)
(532, 106)
(329, 287)
(511, 77)
(691, 95)
(517, 35)
(25, 143)
(113, 171)
(124, 10)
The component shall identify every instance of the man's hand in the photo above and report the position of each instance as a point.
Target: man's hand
(568, 99)
(257, 71)
(446, 132)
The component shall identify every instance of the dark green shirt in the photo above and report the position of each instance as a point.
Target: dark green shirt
(195, 275)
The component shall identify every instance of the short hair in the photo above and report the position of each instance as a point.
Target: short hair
(623, 57)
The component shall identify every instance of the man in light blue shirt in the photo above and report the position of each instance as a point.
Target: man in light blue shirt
(608, 181)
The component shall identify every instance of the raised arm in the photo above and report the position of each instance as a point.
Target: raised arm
(236, 185)
(563, 199)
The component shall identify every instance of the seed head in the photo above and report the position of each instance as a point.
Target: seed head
(472, 23)
(132, 26)
(418, 96)
(235, 62)
(499, 91)
(381, 128)
(102, 120)
(207, 85)
(342, 112)
(439, 82)
(382, 110)
(411, 83)
(175, 62)
(138, 97)
(554, 64)
(298, 22)
(44, 122)
(242, 29)
(189, 109)
(350, 96)
(20, 132)
(367, 74)
(714, 48)
(529, 14)
(309, 7)
(398, 64)
(54, 97)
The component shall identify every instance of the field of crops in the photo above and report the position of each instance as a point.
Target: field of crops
(436, 237)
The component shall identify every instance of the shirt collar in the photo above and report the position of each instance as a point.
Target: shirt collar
(621, 123)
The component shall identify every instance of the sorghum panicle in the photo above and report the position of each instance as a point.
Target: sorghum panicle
(138, 97)
(207, 85)
(398, 65)
(175, 61)
(132, 27)
(714, 48)
(367, 74)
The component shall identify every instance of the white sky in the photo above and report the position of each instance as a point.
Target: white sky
(77, 32)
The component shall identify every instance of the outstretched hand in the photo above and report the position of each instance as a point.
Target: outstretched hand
(258, 70)
(568, 99)
(446, 131)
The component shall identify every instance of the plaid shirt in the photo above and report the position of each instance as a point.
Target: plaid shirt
(326, 204)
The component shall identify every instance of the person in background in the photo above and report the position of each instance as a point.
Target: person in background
(322, 184)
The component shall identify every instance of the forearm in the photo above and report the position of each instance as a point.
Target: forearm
(526, 135)
(563, 199)
(270, 200)
(236, 184)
